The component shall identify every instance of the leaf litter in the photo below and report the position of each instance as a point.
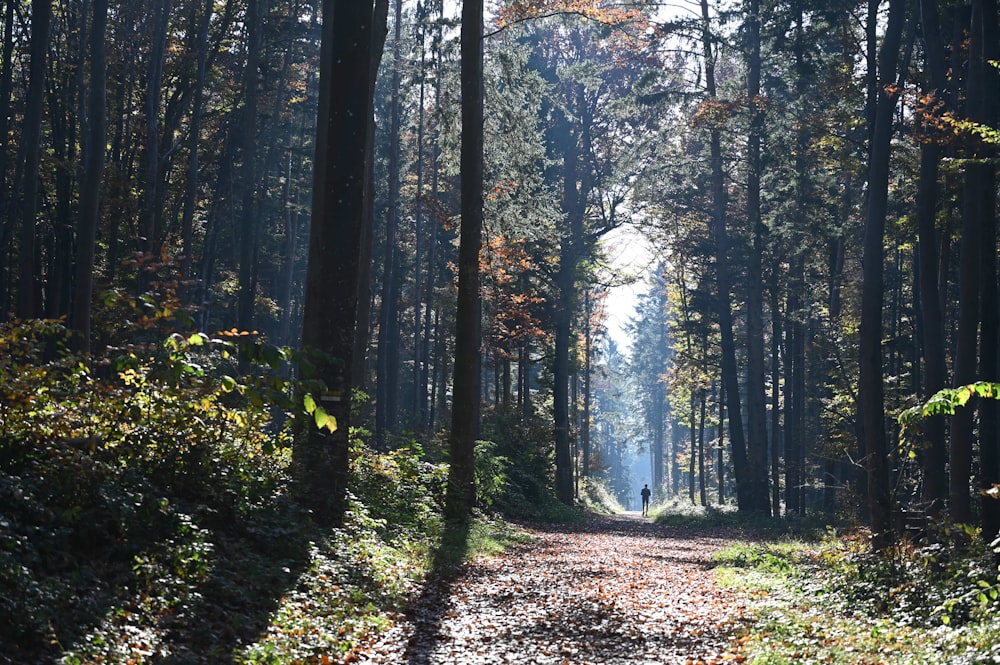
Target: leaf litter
(613, 590)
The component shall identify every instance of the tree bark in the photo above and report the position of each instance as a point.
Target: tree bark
(6, 90)
(461, 493)
(248, 227)
(330, 309)
(28, 275)
(871, 405)
(730, 371)
(756, 380)
(93, 176)
(387, 387)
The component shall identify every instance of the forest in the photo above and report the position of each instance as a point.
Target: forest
(325, 321)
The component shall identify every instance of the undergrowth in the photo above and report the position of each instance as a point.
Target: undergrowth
(147, 511)
(836, 600)
(678, 512)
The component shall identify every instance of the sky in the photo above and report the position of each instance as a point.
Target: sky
(629, 252)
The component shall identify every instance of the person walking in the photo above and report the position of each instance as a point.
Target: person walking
(645, 500)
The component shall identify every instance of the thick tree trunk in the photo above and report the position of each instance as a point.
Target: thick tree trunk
(461, 492)
(330, 309)
(194, 141)
(362, 331)
(560, 372)
(152, 212)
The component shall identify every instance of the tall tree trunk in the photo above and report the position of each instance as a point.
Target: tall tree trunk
(983, 107)
(152, 212)
(756, 381)
(330, 309)
(702, 480)
(362, 331)
(720, 462)
(693, 431)
(573, 204)
(200, 40)
(247, 278)
(93, 175)
(730, 371)
(461, 492)
(585, 422)
(6, 91)
(387, 388)
(871, 404)
(28, 270)
(419, 340)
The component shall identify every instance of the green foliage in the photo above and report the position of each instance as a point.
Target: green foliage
(839, 601)
(527, 491)
(146, 510)
(491, 473)
(944, 402)
(597, 497)
(403, 492)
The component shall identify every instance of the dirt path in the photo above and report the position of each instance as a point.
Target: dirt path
(613, 590)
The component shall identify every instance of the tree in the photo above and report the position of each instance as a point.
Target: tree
(330, 310)
(93, 170)
(29, 305)
(466, 402)
(871, 404)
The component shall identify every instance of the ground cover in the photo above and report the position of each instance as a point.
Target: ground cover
(608, 590)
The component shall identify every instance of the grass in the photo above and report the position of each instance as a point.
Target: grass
(834, 601)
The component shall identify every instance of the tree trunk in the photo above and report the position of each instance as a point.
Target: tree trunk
(702, 480)
(28, 275)
(152, 210)
(573, 210)
(247, 278)
(693, 431)
(721, 470)
(745, 498)
(756, 380)
(775, 401)
(585, 421)
(194, 140)
(6, 89)
(871, 404)
(93, 175)
(461, 492)
(330, 309)
(387, 388)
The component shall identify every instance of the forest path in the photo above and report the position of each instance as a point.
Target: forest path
(612, 590)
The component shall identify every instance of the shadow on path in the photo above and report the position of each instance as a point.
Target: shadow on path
(432, 607)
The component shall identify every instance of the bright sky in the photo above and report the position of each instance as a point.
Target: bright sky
(629, 254)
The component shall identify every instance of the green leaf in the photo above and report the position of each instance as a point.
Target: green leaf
(324, 419)
(309, 403)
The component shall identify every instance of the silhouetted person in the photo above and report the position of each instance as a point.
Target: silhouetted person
(645, 499)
